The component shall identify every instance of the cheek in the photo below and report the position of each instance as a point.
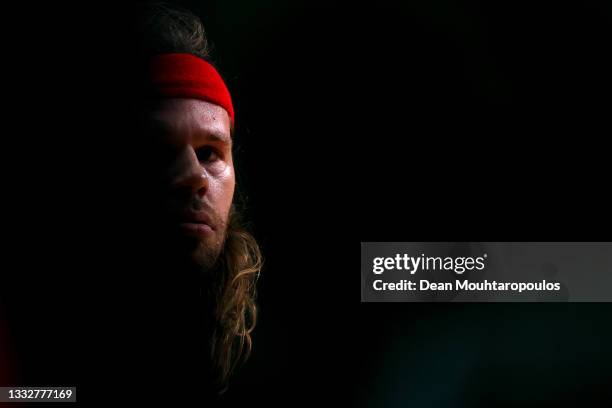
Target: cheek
(225, 185)
(230, 188)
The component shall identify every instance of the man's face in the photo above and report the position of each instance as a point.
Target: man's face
(193, 146)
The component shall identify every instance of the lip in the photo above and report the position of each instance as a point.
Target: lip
(196, 228)
(198, 223)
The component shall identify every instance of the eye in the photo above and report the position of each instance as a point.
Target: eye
(206, 154)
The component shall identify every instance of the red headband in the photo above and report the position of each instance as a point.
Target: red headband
(188, 76)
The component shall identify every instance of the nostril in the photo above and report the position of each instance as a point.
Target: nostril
(201, 191)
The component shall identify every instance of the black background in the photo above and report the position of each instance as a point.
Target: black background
(433, 120)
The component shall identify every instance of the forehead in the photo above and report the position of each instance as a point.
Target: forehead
(189, 118)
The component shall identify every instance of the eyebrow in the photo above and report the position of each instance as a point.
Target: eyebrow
(212, 136)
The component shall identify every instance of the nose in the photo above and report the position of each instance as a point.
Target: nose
(191, 176)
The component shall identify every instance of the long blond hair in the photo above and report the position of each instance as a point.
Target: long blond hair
(234, 309)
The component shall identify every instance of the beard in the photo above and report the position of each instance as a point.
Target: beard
(203, 252)
(196, 250)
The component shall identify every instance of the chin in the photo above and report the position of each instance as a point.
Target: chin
(206, 253)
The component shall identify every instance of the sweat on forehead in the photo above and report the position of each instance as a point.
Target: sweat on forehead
(192, 119)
